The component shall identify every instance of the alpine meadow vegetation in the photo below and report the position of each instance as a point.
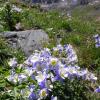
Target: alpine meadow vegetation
(67, 68)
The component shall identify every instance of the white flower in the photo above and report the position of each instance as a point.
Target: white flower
(28, 71)
(15, 8)
(40, 76)
(53, 61)
(13, 78)
(63, 73)
(12, 62)
(47, 49)
(92, 77)
(22, 78)
(26, 92)
(33, 59)
(43, 93)
(55, 49)
(17, 78)
(60, 47)
(72, 70)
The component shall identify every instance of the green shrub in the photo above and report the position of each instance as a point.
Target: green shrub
(71, 90)
(8, 17)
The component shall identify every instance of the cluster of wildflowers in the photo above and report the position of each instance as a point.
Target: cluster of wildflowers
(13, 8)
(45, 67)
(97, 40)
(17, 9)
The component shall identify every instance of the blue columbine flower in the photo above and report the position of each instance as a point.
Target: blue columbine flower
(71, 54)
(53, 97)
(44, 69)
(97, 40)
(40, 77)
(97, 90)
(43, 93)
(33, 96)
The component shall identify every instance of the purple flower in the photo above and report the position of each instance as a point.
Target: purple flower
(22, 78)
(97, 90)
(33, 96)
(42, 84)
(60, 47)
(53, 97)
(45, 53)
(93, 77)
(70, 54)
(83, 73)
(97, 40)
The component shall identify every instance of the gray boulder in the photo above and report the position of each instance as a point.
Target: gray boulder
(28, 40)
